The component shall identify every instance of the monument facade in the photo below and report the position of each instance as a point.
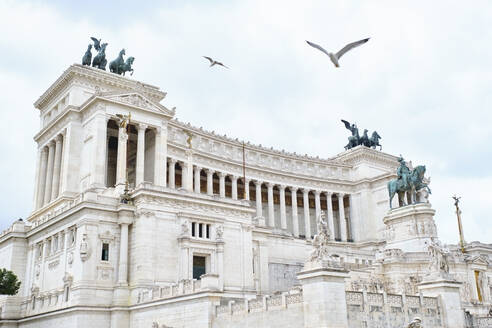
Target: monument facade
(140, 220)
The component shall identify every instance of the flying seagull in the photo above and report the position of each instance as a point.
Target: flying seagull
(335, 57)
(214, 62)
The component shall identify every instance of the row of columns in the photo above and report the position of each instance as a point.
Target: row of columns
(49, 171)
(309, 232)
(160, 155)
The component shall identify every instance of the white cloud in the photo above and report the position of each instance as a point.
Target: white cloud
(422, 81)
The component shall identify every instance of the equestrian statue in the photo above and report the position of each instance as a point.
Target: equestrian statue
(356, 140)
(408, 183)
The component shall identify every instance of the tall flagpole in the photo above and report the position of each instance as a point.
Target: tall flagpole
(460, 227)
(244, 173)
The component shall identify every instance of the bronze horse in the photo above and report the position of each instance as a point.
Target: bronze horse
(396, 186)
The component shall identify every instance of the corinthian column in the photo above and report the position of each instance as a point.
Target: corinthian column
(161, 156)
(42, 177)
(259, 206)
(140, 170)
(307, 219)
(121, 159)
(56, 167)
(271, 213)
(329, 210)
(210, 182)
(317, 204)
(283, 214)
(222, 176)
(172, 173)
(49, 172)
(246, 189)
(341, 215)
(295, 219)
(234, 187)
(197, 171)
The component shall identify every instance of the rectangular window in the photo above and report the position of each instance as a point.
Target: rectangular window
(193, 229)
(200, 230)
(199, 266)
(208, 231)
(105, 252)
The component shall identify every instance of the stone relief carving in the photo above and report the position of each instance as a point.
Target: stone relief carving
(416, 323)
(439, 258)
(219, 232)
(84, 250)
(185, 229)
(70, 258)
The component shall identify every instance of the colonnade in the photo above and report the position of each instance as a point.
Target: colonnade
(205, 181)
(49, 171)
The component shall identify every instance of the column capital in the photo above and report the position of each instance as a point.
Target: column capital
(258, 182)
(59, 138)
(293, 189)
(51, 143)
(282, 187)
(222, 174)
(340, 194)
(270, 185)
(210, 171)
(172, 160)
(305, 190)
(44, 150)
(197, 168)
(234, 177)
(142, 126)
(329, 193)
(317, 192)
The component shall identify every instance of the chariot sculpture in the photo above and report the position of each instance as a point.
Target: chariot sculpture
(118, 66)
(356, 140)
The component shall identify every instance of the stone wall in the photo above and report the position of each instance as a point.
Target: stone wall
(371, 310)
(285, 310)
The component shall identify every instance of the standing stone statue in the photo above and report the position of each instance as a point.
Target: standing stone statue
(320, 253)
(439, 258)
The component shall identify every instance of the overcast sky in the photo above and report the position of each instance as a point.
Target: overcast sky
(423, 81)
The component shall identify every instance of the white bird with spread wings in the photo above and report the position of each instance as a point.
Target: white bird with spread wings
(335, 57)
(214, 62)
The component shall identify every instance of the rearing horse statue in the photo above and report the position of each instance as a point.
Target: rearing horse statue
(414, 183)
(100, 60)
(114, 65)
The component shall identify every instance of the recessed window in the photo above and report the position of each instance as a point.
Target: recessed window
(105, 252)
(199, 266)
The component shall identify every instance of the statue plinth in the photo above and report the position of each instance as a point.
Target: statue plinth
(410, 228)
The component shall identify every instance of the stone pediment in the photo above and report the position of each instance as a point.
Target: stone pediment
(135, 99)
(478, 260)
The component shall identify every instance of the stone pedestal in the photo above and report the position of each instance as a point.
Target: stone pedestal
(410, 228)
(448, 291)
(323, 287)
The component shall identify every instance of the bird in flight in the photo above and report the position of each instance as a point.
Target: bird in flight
(214, 62)
(335, 57)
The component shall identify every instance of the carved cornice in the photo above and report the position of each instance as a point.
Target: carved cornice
(363, 154)
(250, 147)
(99, 77)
